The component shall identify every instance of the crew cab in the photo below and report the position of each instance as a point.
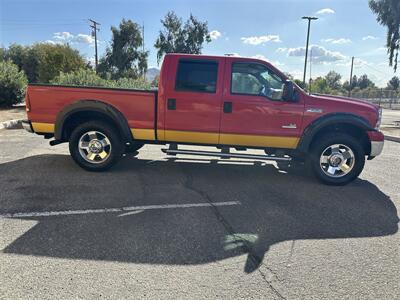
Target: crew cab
(220, 101)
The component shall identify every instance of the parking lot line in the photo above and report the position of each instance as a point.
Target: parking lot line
(113, 210)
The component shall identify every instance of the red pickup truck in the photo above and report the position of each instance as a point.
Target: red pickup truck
(221, 101)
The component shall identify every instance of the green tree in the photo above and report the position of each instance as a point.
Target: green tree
(364, 82)
(12, 84)
(42, 62)
(319, 85)
(2, 54)
(25, 58)
(394, 83)
(333, 80)
(54, 59)
(346, 84)
(301, 84)
(154, 82)
(124, 58)
(388, 14)
(179, 38)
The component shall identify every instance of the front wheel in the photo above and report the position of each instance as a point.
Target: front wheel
(337, 159)
(95, 146)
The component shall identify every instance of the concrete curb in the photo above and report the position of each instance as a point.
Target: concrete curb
(12, 124)
(392, 138)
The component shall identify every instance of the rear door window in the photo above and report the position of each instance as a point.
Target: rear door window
(197, 76)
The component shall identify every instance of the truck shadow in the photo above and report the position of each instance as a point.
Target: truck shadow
(275, 206)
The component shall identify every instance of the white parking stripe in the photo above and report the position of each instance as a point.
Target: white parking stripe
(113, 210)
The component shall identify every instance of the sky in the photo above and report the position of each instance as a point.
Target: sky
(270, 29)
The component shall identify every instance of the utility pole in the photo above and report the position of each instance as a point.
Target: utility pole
(94, 34)
(351, 75)
(144, 70)
(309, 84)
(308, 39)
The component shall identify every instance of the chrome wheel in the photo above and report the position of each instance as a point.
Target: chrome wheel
(94, 147)
(337, 160)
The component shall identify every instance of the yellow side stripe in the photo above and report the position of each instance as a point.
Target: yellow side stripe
(43, 127)
(143, 134)
(230, 139)
(199, 137)
(259, 140)
(191, 137)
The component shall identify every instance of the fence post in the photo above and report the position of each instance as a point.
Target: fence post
(391, 99)
(380, 98)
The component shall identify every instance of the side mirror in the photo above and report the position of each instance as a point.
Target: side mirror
(289, 92)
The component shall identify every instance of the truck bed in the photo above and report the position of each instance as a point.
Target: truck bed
(46, 101)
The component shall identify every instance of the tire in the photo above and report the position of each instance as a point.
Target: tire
(95, 146)
(337, 159)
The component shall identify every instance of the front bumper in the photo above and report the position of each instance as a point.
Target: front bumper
(377, 141)
(26, 124)
(376, 148)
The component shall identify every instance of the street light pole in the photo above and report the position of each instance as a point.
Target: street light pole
(308, 39)
(351, 75)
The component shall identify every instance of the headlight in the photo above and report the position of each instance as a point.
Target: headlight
(378, 122)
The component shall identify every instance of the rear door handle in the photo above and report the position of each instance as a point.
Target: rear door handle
(171, 104)
(228, 107)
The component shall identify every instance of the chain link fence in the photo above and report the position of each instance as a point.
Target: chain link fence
(384, 98)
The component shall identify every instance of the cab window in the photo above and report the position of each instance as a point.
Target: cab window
(197, 76)
(257, 80)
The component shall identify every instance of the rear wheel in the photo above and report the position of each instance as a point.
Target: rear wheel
(337, 159)
(95, 146)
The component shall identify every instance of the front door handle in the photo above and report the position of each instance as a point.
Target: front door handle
(228, 107)
(171, 104)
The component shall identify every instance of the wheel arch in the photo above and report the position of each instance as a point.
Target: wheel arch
(350, 124)
(85, 110)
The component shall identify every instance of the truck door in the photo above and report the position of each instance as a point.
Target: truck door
(192, 100)
(254, 113)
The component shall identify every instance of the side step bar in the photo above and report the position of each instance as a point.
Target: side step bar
(225, 155)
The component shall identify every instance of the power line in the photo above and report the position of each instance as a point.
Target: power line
(373, 68)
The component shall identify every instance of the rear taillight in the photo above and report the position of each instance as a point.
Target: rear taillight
(27, 101)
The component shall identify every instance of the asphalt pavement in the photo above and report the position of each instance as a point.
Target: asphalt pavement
(391, 117)
(187, 227)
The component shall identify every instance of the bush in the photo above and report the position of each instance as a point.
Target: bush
(54, 59)
(12, 84)
(129, 83)
(43, 61)
(80, 77)
(89, 78)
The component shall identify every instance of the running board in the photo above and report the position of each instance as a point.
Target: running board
(228, 155)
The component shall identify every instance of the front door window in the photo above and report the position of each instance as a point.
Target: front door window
(257, 80)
